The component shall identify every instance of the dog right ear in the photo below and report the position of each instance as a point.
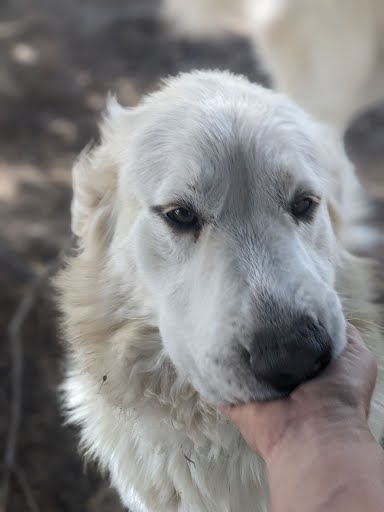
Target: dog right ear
(94, 176)
(345, 197)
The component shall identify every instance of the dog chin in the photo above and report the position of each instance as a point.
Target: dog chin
(262, 393)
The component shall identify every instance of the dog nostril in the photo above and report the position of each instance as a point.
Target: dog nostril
(317, 367)
(246, 356)
(322, 362)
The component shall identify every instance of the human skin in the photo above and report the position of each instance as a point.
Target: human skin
(318, 448)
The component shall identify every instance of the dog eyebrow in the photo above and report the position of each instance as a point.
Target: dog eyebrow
(306, 190)
(289, 191)
(184, 202)
(178, 202)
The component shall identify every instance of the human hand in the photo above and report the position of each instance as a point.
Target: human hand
(333, 404)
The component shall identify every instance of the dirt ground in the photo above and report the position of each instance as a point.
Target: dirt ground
(58, 60)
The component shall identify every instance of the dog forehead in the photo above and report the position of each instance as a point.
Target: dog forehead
(220, 136)
(225, 155)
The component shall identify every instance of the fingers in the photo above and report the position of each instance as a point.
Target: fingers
(246, 418)
(355, 343)
(362, 362)
(353, 335)
(261, 423)
(240, 413)
(244, 414)
(356, 360)
(360, 358)
(351, 377)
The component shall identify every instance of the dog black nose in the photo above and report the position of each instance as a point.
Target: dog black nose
(288, 355)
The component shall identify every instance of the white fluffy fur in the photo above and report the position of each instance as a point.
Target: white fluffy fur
(326, 55)
(155, 319)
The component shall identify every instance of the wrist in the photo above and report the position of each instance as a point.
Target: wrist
(310, 432)
(320, 461)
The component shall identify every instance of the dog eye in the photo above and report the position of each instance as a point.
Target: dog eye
(303, 208)
(182, 217)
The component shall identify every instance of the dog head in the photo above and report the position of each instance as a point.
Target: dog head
(221, 201)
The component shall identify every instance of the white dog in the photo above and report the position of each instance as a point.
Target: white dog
(213, 268)
(327, 55)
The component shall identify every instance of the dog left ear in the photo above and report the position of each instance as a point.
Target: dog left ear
(94, 175)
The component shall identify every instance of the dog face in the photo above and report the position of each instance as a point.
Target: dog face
(222, 215)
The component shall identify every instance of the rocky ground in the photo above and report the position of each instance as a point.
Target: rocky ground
(58, 60)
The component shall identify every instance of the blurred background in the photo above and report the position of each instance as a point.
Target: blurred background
(58, 59)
